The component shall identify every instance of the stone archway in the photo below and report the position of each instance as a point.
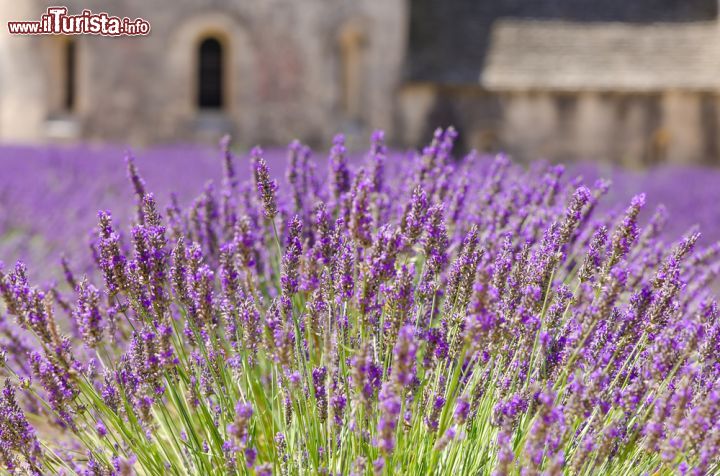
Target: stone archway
(238, 70)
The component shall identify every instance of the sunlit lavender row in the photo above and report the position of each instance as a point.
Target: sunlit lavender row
(49, 196)
(420, 315)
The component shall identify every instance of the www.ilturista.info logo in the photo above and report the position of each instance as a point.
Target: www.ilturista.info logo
(57, 22)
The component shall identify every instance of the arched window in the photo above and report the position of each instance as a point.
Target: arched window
(210, 74)
(69, 80)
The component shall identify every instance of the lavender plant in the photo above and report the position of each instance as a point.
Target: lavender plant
(435, 317)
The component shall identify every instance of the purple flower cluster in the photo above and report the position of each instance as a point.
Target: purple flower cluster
(424, 315)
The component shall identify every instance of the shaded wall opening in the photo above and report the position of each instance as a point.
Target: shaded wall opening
(210, 74)
(69, 80)
(352, 44)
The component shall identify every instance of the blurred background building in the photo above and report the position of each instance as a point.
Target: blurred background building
(633, 82)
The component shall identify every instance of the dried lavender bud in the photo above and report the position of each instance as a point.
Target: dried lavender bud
(573, 214)
(241, 425)
(435, 249)
(290, 268)
(626, 233)
(266, 188)
(230, 178)
(339, 173)
(413, 220)
(360, 217)
(344, 279)
(593, 258)
(399, 304)
(87, 313)
(179, 272)
(404, 356)
(57, 383)
(67, 272)
(366, 376)
(138, 184)
(112, 261)
(324, 245)
(19, 446)
(378, 156)
(390, 408)
(338, 402)
(319, 375)
(432, 420)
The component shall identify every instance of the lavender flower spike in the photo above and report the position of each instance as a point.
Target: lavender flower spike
(266, 187)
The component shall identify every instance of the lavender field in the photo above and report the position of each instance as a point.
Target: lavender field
(50, 196)
(372, 312)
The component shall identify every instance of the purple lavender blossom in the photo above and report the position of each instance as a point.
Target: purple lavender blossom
(265, 186)
(87, 313)
(339, 173)
(19, 446)
(418, 315)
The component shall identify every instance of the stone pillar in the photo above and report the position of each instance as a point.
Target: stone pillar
(594, 127)
(415, 101)
(352, 42)
(23, 86)
(530, 125)
(681, 112)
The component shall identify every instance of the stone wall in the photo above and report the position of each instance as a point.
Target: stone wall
(23, 95)
(307, 70)
(634, 129)
(283, 76)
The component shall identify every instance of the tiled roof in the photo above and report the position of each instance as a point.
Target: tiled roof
(562, 55)
(450, 40)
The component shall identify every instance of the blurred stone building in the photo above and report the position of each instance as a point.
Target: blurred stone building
(629, 81)
(632, 82)
(264, 70)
